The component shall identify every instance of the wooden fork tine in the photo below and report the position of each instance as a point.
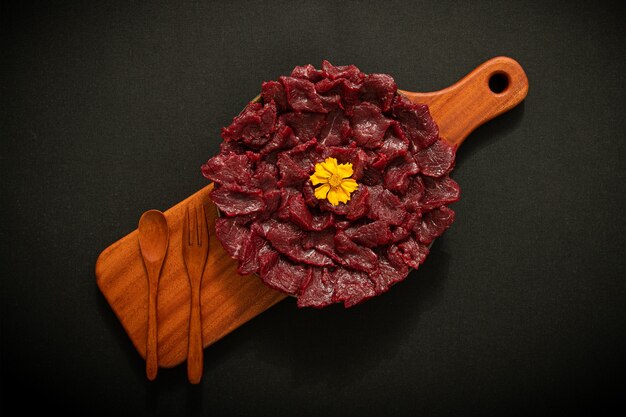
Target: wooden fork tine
(186, 238)
(194, 228)
(204, 229)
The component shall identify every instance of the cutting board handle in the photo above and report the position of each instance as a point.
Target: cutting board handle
(491, 89)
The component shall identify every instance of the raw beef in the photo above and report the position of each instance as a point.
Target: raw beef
(272, 223)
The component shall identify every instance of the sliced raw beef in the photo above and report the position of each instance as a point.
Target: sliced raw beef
(379, 89)
(229, 168)
(436, 160)
(416, 122)
(317, 289)
(273, 223)
(306, 126)
(368, 125)
(439, 192)
(351, 287)
(285, 276)
(307, 72)
(236, 203)
(273, 90)
(231, 235)
(253, 125)
(433, 224)
(301, 95)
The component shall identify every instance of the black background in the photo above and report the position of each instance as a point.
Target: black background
(110, 108)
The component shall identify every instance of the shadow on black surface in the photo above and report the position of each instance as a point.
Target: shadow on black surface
(490, 132)
(118, 332)
(168, 379)
(336, 345)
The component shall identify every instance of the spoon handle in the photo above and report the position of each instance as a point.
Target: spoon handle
(152, 363)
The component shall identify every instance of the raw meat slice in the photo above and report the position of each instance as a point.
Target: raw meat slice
(358, 206)
(301, 95)
(368, 125)
(237, 203)
(287, 238)
(416, 122)
(317, 290)
(400, 233)
(379, 89)
(264, 177)
(285, 276)
(336, 130)
(436, 160)
(412, 252)
(253, 125)
(349, 72)
(229, 168)
(354, 256)
(305, 155)
(385, 206)
(291, 174)
(433, 224)
(283, 138)
(439, 192)
(306, 126)
(351, 287)
(268, 258)
(300, 215)
(344, 93)
(413, 196)
(398, 174)
(249, 255)
(370, 235)
(307, 72)
(395, 144)
(274, 91)
(231, 235)
(387, 273)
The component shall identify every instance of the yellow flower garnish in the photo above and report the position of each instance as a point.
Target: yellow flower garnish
(335, 179)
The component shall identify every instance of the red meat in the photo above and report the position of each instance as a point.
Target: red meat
(273, 224)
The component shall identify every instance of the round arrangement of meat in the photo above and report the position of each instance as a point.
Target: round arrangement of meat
(321, 253)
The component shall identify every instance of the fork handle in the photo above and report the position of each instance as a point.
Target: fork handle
(195, 352)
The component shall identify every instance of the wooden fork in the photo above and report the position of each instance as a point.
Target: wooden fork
(195, 252)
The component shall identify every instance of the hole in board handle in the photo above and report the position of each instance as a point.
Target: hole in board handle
(499, 82)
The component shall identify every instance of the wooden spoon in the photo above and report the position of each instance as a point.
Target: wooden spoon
(153, 242)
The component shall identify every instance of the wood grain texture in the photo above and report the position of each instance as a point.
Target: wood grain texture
(229, 299)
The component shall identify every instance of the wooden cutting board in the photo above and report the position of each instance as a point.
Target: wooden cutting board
(229, 299)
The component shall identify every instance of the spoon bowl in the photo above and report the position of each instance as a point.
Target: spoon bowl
(153, 235)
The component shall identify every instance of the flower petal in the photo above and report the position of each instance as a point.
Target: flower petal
(344, 170)
(316, 179)
(333, 197)
(330, 164)
(349, 185)
(321, 171)
(321, 191)
(342, 195)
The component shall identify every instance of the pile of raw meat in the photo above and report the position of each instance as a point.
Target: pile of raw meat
(273, 224)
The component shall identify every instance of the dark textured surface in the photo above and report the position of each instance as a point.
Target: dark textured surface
(109, 110)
